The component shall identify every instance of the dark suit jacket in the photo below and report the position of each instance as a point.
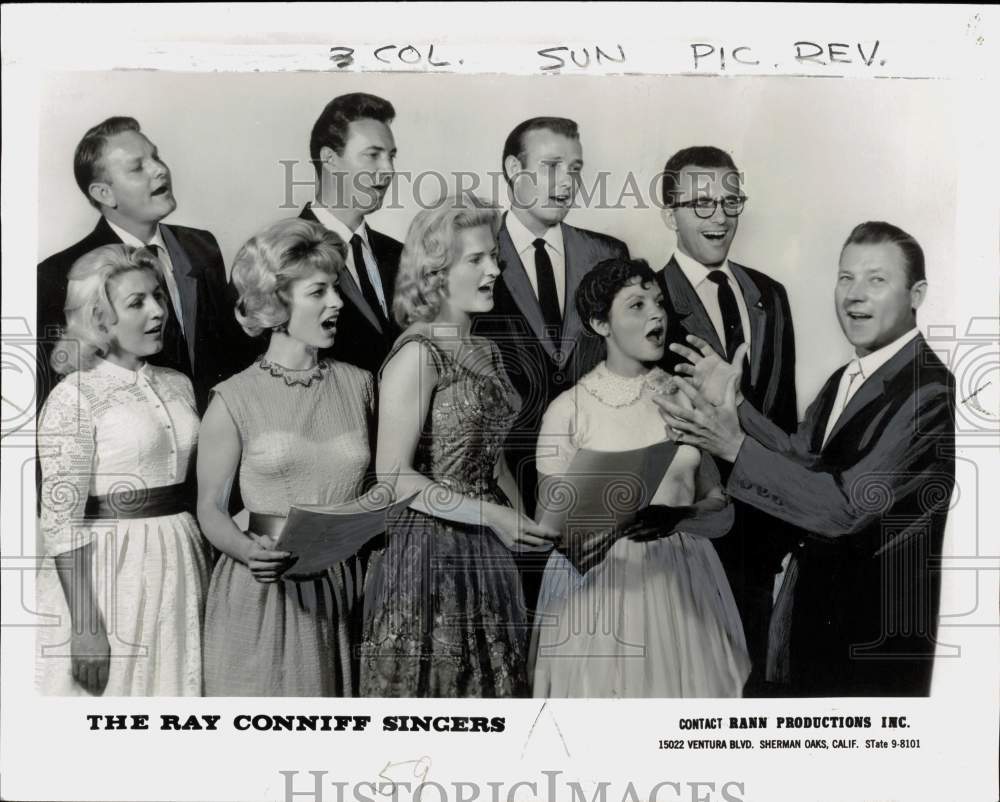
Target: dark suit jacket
(217, 346)
(750, 561)
(361, 340)
(873, 501)
(770, 384)
(538, 368)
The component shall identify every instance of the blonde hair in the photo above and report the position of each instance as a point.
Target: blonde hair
(430, 249)
(89, 310)
(270, 261)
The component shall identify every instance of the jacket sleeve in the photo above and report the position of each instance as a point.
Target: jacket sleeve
(773, 476)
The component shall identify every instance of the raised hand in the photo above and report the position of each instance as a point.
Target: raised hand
(706, 370)
(716, 429)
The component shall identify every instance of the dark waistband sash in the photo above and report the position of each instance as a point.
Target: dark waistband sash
(142, 502)
(263, 524)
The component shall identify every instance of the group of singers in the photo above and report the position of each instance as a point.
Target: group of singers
(468, 365)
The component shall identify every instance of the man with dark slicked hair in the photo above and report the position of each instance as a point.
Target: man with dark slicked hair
(353, 151)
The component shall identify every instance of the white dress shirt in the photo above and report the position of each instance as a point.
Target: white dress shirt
(524, 244)
(168, 267)
(332, 223)
(708, 292)
(858, 371)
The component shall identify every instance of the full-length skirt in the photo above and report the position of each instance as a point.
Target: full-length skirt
(654, 619)
(444, 614)
(285, 638)
(150, 576)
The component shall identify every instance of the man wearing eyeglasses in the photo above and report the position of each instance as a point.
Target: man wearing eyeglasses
(732, 308)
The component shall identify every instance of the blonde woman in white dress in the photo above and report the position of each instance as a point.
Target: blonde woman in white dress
(654, 616)
(125, 568)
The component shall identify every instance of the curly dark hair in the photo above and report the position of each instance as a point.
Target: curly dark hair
(599, 287)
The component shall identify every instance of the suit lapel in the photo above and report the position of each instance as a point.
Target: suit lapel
(187, 277)
(688, 306)
(827, 398)
(572, 327)
(347, 285)
(758, 318)
(516, 280)
(873, 387)
(308, 214)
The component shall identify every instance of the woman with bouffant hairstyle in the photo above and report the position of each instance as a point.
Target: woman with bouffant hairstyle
(297, 428)
(444, 614)
(85, 338)
(116, 521)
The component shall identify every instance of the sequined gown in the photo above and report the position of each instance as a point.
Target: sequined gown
(444, 611)
(305, 440)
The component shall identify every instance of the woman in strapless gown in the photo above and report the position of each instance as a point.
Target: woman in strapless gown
(655, 617)
(444, 611)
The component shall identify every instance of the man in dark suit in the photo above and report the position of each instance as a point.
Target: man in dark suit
(122, 175)
(728, 305)
(868, 476)
(544, 345)
(353, 151)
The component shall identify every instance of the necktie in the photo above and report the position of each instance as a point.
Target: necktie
(175, 351)
(367, 288)
(548, 297)
(731, 322)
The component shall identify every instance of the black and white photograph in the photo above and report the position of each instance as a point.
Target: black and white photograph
(410, 406)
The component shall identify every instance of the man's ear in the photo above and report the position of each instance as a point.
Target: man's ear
(602, 327)
(102, 193)
(917, 294)
(328, 158)
(667, 213)
(512, 166)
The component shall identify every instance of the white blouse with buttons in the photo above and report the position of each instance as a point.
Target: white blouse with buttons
(109, 430)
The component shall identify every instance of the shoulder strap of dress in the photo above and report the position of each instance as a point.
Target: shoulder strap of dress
(438, 354)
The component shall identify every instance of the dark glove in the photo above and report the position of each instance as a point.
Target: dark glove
(586, 549)
(654, 522)
(708, 518)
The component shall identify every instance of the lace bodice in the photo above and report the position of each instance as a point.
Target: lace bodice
(110, 430)
(304, 434)
(472, 409)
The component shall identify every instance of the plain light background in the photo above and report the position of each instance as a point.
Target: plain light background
(818, 156)
(828, 151)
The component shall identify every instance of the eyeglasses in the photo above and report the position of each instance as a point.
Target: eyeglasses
(732, 206)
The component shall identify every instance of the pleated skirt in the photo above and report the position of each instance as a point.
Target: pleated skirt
(285, 638)
(150, 577)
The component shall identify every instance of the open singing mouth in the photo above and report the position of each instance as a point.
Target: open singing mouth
(715, 236)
